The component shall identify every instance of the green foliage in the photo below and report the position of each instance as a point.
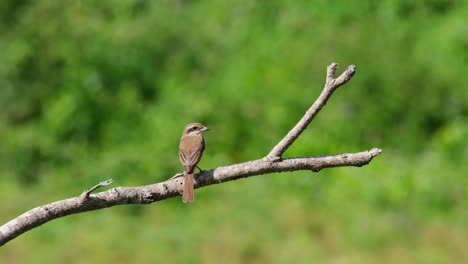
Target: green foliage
(92, 90)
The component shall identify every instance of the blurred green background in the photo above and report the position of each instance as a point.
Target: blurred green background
(92, 90)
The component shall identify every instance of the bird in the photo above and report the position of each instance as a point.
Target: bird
(191, 147)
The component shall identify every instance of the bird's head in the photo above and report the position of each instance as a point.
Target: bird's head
(194, 129)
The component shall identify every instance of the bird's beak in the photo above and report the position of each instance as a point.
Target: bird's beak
(204, 129)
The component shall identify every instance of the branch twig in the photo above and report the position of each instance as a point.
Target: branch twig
(271, 163)
(331, 84)
(85, 195)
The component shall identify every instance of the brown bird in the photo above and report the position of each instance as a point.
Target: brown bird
(191, 149)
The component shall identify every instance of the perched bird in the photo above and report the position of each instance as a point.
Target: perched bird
(191, 149)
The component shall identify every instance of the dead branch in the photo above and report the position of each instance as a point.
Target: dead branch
(147, 194)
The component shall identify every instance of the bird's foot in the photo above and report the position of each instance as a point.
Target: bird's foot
(200, 170)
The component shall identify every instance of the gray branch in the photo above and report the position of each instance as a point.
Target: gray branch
(147, 194)
(331, 84)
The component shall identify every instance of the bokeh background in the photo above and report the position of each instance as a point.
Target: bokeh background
(92, 90)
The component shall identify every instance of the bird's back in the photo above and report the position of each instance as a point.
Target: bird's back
(191, 149)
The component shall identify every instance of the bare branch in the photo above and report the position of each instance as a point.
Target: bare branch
(172, 187)
(271, 163)
(331, 84)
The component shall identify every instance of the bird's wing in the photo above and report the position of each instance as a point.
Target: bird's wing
(190, 151)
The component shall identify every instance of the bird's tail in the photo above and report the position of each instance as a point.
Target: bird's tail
(187, 194)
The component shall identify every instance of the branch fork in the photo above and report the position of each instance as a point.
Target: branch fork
(331, 84)
(273, 162)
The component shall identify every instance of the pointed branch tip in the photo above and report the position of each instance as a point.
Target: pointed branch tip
(331, 72)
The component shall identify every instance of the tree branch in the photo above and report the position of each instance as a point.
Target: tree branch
(331, 84)
(273, 162)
